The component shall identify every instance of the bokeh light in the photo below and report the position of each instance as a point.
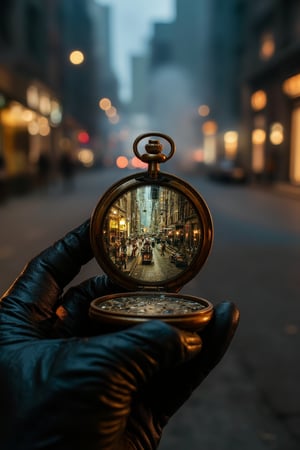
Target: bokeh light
(76, 57)
(203, 110)
(258, 100)
(105, 103)
(86, 157)
(122, 162)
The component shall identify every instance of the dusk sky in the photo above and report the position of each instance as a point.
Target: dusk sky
(131, 29)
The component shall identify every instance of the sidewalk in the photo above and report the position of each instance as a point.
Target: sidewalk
(287, 190)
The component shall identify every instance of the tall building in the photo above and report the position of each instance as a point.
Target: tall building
(140, 80)
(271, 90)
(30, 105)
(201, 52)
(106, 85)
(46, 98)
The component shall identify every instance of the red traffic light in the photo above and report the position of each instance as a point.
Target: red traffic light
(83, 137)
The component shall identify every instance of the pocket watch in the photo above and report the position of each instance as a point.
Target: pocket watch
(151, 232)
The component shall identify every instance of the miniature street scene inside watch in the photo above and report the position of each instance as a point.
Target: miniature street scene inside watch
(151, 233)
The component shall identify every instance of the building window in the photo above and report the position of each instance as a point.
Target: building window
(291, 86)
(258, 100)
(258, 150)
(276, 133)
(258, 144)
(267, 46)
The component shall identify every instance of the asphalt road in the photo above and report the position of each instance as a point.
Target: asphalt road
(252, 399)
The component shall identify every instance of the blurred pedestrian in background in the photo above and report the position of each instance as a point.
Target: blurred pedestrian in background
(67, 170)
(44, 170)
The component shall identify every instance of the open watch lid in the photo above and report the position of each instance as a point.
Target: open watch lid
(151, 230)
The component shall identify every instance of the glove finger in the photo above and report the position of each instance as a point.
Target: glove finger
(73, 318)
(218, 335)
(168, 393)
(35, 292)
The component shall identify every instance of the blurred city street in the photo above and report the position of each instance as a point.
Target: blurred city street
(251, 401)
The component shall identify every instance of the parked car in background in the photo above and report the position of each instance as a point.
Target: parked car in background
(227, 170)
(178, 259)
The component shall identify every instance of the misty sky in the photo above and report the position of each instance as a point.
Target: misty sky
(131, 28)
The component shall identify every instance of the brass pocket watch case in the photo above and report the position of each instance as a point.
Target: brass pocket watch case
(151, 232)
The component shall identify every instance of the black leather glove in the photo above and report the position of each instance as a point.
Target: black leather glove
(64, 388)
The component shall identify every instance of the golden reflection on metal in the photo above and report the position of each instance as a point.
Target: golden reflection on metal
(154, 151)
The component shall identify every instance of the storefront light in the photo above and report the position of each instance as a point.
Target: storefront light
(276, 133)
(32, 96)
(28, 115)
(258, 149)
(209, 128)
(122, 222)
(267, 48)
(295, 147)
(258, 136)
(209, 149)
(39, 127)
(44, 128)
(291, 86)
(16, 115)
(43, 121)
(258, 100)
(16, 110)
(33, 128)
(231, 143)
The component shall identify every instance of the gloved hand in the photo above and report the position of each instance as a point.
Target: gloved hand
(64, 388)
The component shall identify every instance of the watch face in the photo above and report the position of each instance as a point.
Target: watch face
(150, 305)
(152, 233)
(118, 311)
